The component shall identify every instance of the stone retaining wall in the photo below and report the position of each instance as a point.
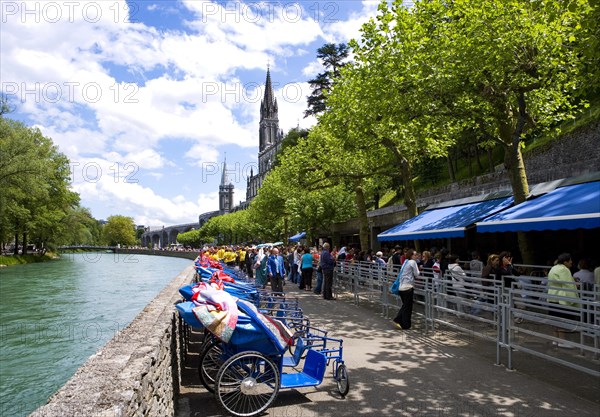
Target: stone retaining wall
(136, 374)
(575, 154)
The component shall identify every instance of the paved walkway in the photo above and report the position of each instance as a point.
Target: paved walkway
(408, 373)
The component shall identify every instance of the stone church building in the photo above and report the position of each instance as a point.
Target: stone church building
(270, 140)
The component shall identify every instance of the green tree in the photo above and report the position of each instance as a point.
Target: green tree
(80, 228)
(386, 95)
(426, 75)
(332, 57)
(35, 184)
(315, 182)
(191, 238)
(512, 68)
(119, 230)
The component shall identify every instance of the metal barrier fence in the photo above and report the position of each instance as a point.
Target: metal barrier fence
(518, 318)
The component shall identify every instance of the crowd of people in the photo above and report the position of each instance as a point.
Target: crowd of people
(278, 265)
(299, 264)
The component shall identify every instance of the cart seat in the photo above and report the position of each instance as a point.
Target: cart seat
(294, 359)
(312, 374)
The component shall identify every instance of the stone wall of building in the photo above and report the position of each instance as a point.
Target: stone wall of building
(575, 154)
(136, 374)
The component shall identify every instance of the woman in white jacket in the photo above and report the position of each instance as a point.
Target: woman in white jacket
(408, 274)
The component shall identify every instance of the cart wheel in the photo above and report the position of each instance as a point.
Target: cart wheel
(211, 359)
(247, 384)
(343, 383)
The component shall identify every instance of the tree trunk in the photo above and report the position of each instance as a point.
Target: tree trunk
(24, 243)
(410, 197)
(362, 216)
(478, 158)
(513, 159)
(450, 168)
(490, 161)
(16, 249)
(469, 160)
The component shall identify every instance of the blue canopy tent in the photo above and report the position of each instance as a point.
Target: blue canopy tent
(568, 207)
(297, 237)
(443, 222)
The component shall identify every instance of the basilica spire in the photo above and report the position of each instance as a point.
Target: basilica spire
(225, 191)
(224, 177)
(268, 105)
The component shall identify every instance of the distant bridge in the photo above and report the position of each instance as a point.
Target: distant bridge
(162, 237)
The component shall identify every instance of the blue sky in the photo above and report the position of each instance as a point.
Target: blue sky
(147, 97)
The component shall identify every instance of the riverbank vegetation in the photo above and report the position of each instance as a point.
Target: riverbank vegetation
(38, 209)
(26, 259)
(433, 93)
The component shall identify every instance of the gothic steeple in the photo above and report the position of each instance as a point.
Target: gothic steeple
(225, 191)
(224, 177)
(268, 105)
(269, 120)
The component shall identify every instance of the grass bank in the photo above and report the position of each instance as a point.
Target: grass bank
(26, 259)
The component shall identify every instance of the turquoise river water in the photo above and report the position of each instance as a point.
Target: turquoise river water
(54, 315)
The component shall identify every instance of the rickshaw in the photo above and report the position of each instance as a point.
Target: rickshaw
(251, 362)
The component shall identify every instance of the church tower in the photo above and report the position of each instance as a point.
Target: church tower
(225, 192)
(269, 139)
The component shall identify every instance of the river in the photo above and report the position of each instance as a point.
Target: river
(54, 315)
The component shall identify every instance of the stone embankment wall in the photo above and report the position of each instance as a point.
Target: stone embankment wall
(136, 374)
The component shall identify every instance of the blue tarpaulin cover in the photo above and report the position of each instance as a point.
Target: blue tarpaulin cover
(569, 207)
(445, 222)
(297, 237)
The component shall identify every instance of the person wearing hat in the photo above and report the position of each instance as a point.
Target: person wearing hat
(379, 259)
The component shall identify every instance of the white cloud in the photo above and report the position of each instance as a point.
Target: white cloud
(203, 156)
(313, 69)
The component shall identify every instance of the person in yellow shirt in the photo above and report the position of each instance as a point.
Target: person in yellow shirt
(229, 257)
(242, 258)
(562, 292)
(221, 253)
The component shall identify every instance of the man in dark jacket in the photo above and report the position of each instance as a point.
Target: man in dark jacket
(327, 264)
(276, 271)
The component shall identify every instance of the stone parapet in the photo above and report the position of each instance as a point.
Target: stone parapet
(136, 374)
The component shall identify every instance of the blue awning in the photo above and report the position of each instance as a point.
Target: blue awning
(297, 237)
(445, 222)
(570, 207)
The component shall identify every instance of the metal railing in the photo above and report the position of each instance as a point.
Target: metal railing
(518, 318)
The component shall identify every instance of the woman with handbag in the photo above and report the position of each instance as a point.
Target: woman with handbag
(407, 276)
